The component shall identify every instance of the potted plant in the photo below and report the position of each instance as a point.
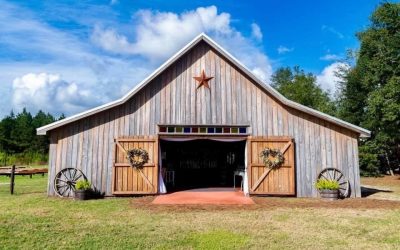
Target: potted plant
(82, 190)
(329, 189)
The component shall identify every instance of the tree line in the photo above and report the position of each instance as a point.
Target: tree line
(368, 95)
(370, 91)
(19, 143)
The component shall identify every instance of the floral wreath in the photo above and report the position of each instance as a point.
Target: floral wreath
(277, 156)
(137, 157)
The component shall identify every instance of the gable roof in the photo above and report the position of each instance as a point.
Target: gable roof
(203, 37)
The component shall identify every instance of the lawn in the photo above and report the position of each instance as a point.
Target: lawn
(30, 220)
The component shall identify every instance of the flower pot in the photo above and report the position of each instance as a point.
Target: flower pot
(329, 194)
(82, 194)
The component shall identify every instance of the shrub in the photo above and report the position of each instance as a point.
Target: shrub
(369, 161)
(82, 185)
(323, 184)
(25, 158)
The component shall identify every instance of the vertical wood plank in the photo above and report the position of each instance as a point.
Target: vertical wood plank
(213, 100)
(223, 92)
(100, 150)
(357, 187)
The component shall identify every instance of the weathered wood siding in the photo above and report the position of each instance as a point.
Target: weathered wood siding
(172, 98)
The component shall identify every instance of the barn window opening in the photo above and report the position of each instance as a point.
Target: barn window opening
(202, 130)
(201, 163)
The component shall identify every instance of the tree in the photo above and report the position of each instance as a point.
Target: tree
(18, 139)
(370, 93)
(40, 143)
(6, 126)
(352, 95)
(23, 132)
(302, 88)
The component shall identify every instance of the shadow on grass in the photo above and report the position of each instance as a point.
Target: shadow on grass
(96, 194)
(367, 191)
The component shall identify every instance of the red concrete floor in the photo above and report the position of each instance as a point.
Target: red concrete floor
(215, 196)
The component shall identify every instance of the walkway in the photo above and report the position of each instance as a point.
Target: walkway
(216, 196)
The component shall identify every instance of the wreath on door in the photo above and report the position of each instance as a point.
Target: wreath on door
(137, 157)
(272, 158)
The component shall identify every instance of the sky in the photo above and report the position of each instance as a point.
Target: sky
(69, 56)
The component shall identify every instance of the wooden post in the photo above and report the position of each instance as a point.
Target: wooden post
(12, 179)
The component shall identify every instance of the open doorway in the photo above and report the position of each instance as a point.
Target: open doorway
(201, 163)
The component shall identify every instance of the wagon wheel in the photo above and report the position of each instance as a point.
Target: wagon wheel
(65, 180)
(334, 174)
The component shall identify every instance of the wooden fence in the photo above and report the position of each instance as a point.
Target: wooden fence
(13, 171)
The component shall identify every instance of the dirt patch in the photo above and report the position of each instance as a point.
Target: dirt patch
(353, 203)
(262, 203)
(146, 203)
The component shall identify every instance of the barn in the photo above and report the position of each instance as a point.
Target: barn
(203, 119)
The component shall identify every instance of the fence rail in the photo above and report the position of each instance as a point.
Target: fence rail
(13, 171)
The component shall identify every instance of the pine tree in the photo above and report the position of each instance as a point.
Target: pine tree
(40, 143)
(6, 127)
(23, 132)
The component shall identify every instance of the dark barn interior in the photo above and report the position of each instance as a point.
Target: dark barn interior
(201, 163)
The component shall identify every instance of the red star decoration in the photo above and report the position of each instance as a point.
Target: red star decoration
(203, 80)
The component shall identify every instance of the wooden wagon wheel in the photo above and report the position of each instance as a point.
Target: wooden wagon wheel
(334, 174)
(65, 180)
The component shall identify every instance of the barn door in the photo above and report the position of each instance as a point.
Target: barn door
(263, 180)
(128, 180)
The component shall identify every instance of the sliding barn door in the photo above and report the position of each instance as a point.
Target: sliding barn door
(263, 180)
(128, 180)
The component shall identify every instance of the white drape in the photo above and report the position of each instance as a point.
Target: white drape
(245, 179)
(161, 185)
(208, 138)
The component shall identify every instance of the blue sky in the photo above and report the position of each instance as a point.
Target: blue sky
(65, 57)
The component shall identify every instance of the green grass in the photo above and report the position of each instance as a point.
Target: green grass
(30, 220)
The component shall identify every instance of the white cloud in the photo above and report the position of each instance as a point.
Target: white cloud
(50, 92)
(106, 80)
(256, 32)
(157, 35)
(248, 54)
(330, 57)
(283, 50)
(328, 79)
(110, 40)
(61, 72)
(112, 2)
(22, 32)
(55, 52)
(332, 30)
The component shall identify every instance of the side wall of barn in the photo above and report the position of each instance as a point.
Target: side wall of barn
(172, 98)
